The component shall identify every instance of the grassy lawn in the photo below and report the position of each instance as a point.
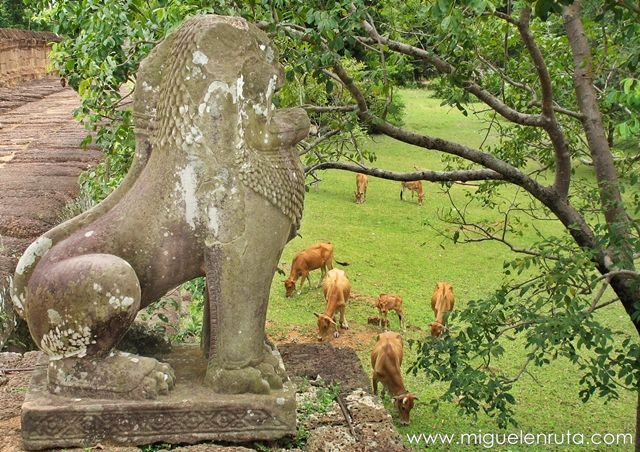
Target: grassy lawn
(390, 249)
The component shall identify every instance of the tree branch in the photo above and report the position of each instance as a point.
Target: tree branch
(308, 147)
(468, 85)
(635, 8)
(485, 159)
(561, 149)
(430, 176)
(329, 108)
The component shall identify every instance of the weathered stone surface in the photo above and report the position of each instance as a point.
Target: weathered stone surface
(380, 436)
(332, 439)
(24, 55)
(333, 416)
(215, 189)
(189, 414)
(366, 408)
(210, 448)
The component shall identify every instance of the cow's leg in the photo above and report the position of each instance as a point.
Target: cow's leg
(323, 272)
(239, 273)
(78, 309)
(401, 318)
(343, 320)
(380, 319)
(374, 383)
(305, 275)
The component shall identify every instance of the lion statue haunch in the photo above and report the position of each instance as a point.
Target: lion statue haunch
(215, 189)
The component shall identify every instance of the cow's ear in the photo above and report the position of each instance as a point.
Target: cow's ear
(316, 314)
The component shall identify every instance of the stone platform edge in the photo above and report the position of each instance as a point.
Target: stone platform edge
(190, 413)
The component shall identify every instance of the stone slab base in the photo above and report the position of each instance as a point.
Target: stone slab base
(189, 414)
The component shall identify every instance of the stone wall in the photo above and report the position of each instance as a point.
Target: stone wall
(24, 55)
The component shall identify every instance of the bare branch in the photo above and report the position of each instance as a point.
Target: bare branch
(508, 79)
(503, 16)
(603, 305)
(430, 176)
(308, 147)
(488, 236)
(614, 273)
(328, 108)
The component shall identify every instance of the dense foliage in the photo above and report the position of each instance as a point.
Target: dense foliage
(522, 61)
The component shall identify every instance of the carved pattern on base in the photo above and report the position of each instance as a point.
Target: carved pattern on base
(149, 423)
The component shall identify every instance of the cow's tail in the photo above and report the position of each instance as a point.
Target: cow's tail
(401, 191)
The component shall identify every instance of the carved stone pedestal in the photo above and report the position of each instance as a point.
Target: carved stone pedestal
(189, 414)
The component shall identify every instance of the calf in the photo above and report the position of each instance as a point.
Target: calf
(386, 361)
(316, 256)
(415, 187)
(442, 302)
(361, 188)
(386, 303)
(336, 288)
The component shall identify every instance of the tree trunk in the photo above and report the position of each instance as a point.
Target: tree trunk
(606, 174)
(621, 251)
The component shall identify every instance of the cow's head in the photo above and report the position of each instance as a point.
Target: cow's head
(289, 287)
(359, 197)
(404, 404)
(325, 326)
(437, 329)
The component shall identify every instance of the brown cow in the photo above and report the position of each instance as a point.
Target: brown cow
(442, 302)
(415, 187)
(336, 288)
(386, 303)
(316, 256)
(386, 361)
(361, 188)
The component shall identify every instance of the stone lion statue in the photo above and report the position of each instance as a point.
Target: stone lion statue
(215, 189)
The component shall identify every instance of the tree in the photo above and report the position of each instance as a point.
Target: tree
(558, 80)
(15, 14)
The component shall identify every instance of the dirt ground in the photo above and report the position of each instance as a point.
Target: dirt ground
(13, 386)
(334, 365)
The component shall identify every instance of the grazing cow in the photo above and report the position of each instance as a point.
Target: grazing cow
(316, 256)
(336, 288)
(361, 188)
(386, 303)
(442, 302)
(386, 361)
(415, 187)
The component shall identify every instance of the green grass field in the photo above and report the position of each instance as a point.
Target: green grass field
(390, 249)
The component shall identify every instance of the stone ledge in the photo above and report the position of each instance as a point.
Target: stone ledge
(189, 414)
